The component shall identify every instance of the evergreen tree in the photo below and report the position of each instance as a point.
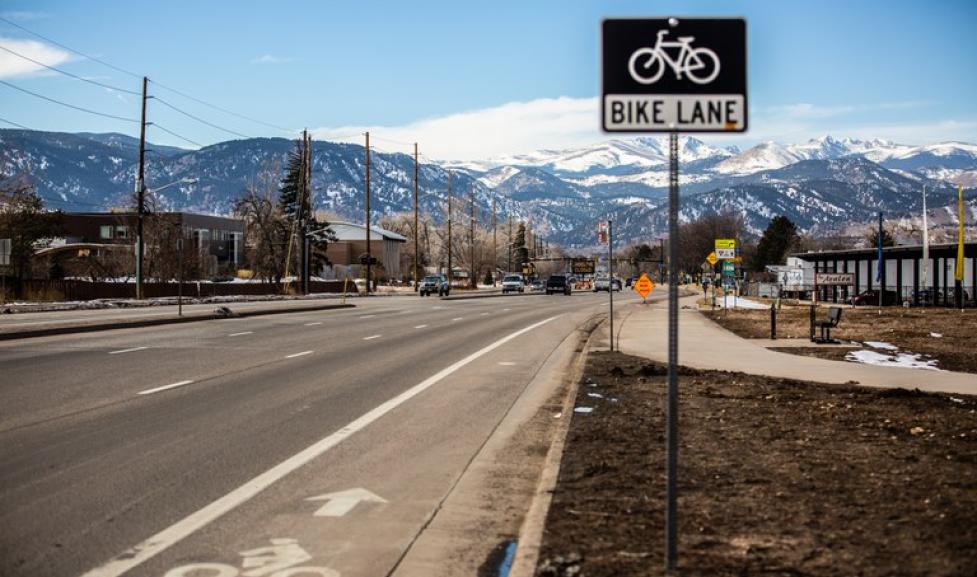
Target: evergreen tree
(294, 205)
(520, 253)
(887, 239)
(780, 238)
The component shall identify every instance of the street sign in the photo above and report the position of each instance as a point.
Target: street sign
(644, 286)
(835, 278)
(602, 232)
(4, 252)
(673, 74)
(582, 266)
(729, 267)
(725, 243)
(712, 258)
(726, 253)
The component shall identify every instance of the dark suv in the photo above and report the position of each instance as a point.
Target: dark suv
(435, 283)
(557, 283)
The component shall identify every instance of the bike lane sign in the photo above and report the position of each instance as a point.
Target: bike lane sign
(673, 75)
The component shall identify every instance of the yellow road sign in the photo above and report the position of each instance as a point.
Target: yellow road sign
(712, 258)
(725, 243)
(644, 286)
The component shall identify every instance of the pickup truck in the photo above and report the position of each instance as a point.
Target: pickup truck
(557, 283)
(436, 283)
(512, 283)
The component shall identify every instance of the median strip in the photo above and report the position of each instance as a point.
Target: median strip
(128, 350)
(164, 388)
(302, 354)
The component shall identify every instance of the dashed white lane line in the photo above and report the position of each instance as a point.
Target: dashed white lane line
(421, 327)
(367, 316)
(457, 319)
(241, 334)
(180, 530)
(128, 350)
(371, 337)
(507, 364)
(302, 354)
(164, 388)
(313, 324)
(503, 310)
(484, 314)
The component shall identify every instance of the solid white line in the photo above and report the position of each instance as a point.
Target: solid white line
(367, 316)
(484, 314)
(302, 354)
(240, 334)
(164, 387)
(201, 518)
(313, 324)
(128, 350)
(506, 309)
(372, 337)
(421, 327)
(457, 319)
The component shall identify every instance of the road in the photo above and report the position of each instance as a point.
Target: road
(210, 442)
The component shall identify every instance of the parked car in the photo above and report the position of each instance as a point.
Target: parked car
(512, 283)
(557, 283)
(537, 286)
(435, 283)
(871, 297)
(604, 283)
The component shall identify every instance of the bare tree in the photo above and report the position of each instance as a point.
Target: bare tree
(266, 229)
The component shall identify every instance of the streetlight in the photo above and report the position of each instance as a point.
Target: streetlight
(142, 190)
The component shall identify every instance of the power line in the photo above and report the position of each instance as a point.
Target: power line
(49, 99)
(224, 110)
(68, 48)
(171, 133)
(197, 118)
(75, 76)
(5, 121)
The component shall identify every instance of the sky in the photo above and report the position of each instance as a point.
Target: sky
(470, 80)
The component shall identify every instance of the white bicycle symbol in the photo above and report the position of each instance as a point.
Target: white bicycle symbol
(694, 62)
(278, 560)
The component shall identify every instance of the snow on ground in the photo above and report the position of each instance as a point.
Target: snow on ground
(882, 345)
(735, 302)
(903, 360)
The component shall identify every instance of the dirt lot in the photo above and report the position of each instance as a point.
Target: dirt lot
(908, 329)
(776, 477)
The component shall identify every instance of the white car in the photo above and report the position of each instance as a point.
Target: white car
(605, 284)
(512, 283)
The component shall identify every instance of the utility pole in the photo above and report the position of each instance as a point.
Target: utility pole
(495, 244)
(369, 255)
(509, 268)
(610, 274)
(141, 194)
(416, 262)
(449, 229)
(300, 216)
(471, 238)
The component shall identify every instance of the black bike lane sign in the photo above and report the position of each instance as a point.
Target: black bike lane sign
(674, 74)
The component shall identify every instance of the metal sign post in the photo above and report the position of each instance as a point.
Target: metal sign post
(671, 75)
(610, 274)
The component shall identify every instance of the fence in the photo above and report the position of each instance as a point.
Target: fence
(78, 290)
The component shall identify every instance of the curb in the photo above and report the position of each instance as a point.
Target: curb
(531, 533)
(139, 323)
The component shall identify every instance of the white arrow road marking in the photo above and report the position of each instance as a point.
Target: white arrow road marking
(128, 350)
(342, 502)
(164, 388)
(142, 552)
(302, 354)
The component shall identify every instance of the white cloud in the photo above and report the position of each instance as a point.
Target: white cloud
(23, 15)
(269, 59)
(560, 123)
(12, 65)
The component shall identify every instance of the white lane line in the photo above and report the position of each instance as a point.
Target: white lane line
(164, 388)
(457, 319)
(367, 316)
(371, 337)
(313, 324)
(507, 364)
(241, 334)
(421, 327)
(506, 310)
(128, 350)
(484, 314)
(302, 354)
(180, 530)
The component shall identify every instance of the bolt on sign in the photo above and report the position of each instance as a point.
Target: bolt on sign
(674, 74)
(644, 286)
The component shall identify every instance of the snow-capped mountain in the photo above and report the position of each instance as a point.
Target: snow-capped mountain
(819, 184)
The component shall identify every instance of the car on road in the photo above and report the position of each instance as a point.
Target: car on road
(435, 283)
(512, 283)
(604, 283)
(557, 283)
(537, 286)
(871, 297)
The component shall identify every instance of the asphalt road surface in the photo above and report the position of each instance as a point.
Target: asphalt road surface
(316, 443)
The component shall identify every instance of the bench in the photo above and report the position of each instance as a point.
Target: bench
(834, 316)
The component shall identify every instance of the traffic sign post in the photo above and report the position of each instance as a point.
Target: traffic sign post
(644, 286)
(671, 75)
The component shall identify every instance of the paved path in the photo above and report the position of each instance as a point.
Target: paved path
(705, 345)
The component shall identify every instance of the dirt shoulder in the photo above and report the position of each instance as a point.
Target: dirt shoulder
(776, 476)
(910, 330)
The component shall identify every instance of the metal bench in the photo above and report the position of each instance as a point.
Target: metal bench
(834, 316)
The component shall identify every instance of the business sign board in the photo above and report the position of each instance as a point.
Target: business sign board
(673, 74)
(835, 278)
(582, 266)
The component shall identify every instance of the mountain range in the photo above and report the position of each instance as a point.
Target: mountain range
(823, 185)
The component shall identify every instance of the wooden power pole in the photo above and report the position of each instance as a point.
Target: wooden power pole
(369, 255)
(495, 244)
(416, 231)
(449, 229)
(141, 195)
(471, 238)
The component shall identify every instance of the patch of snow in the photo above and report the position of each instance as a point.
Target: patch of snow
(882, 345)
(740, 303)
(595, 395)
(936, 335)
(902, 360)
(583, 410)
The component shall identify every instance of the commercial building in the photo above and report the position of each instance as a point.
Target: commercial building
(344, 253)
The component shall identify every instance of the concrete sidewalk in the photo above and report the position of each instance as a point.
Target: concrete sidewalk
(705, 345)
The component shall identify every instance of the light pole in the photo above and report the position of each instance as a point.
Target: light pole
(141, 211)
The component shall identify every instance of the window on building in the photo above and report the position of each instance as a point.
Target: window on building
(105, 232)
(122, 232)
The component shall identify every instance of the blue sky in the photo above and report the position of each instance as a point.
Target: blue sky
(471, 80)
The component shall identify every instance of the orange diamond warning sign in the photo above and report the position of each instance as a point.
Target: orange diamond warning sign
(644, 286)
